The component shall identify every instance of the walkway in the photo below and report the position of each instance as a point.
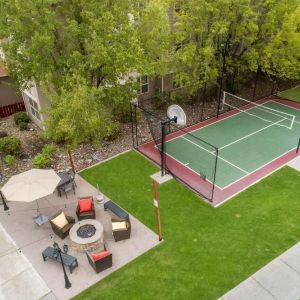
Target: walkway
(18, 279)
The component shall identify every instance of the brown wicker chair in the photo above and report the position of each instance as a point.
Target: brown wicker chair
(91, 214)
(101, 264)
(62, 232)
(121, 234)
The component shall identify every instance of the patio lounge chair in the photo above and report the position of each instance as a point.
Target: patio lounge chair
(63, 231)
(85, 208)
(100, 261)
(121, 228)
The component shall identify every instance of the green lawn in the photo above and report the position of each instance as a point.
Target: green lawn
(291, 94)
(206, 251)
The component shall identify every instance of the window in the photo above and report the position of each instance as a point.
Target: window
(144, 84)
(34, 109)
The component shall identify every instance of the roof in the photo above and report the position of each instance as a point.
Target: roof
(2, 70)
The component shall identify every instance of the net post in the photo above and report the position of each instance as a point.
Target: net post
(298, 146)
(215, 174)
(162, 148)
(132, 126)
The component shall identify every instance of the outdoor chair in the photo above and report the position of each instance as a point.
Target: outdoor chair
(67, 188)
(85, 208)
(121, 228)
(100, 261)
(60, 225)
(72, 174)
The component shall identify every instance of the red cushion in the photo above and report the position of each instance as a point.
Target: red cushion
(85, 205)
(100, 255)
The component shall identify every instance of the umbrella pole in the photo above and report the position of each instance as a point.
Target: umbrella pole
(38, 208)
(4, 202)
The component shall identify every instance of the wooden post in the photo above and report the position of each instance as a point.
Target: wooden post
(156, 204)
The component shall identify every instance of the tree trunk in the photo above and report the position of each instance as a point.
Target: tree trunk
(71, 159)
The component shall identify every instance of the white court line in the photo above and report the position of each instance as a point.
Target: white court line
(210, 124)
(219, 157)
(246, 136)
(286, 106)
(258, 180)
(210, 152)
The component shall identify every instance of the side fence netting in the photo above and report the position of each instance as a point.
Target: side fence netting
(187, 157)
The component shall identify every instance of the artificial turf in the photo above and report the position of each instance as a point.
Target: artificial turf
(206, 251)
(291, 94)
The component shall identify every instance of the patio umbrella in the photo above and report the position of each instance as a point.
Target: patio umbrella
(30, 185)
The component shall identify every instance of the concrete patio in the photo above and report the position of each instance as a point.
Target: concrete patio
(32, 239)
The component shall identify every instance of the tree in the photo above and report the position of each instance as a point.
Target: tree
(231, 36)
(83, 53)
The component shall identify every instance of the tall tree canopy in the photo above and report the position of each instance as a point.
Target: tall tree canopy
(83, 54)
(246, 34)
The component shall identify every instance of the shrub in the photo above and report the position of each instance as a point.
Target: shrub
(42, 161)
(10, 159)
(10, 145)
(49, 149)
(21, 117)
(3, 134)
(23, 125)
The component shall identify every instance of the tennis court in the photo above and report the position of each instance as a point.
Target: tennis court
(245, 143)
(241, 147)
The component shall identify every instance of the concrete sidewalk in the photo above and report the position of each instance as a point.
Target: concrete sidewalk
(18, 279)
(295, 164)
(280, 279)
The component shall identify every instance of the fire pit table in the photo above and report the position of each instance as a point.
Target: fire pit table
(86, 235)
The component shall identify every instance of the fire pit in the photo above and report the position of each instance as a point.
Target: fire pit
(86, 235)
(86, 231)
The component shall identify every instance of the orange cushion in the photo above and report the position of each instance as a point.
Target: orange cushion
(85, 205)
(100, 255)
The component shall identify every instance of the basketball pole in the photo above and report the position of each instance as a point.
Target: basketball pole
(298, 146)
(157, 209)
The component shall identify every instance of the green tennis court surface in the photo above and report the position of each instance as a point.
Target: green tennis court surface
(291, 94)
(246, 142)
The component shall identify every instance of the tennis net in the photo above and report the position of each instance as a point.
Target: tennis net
(260, 111)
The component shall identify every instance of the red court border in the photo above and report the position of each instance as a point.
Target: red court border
(193, 180)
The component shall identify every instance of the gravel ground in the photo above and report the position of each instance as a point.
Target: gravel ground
(84, 156)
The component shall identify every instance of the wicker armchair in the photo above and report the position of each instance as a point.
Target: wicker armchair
(62, 232)
(101, 264)
(91, 214)
(121, 234)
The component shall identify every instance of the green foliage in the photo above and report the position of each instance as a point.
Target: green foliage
(49, 149)
(21, 117)
(23, 125)
(44, 159)
(10, 159)
(10, 145)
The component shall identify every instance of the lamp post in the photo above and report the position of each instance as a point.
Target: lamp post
(67, 281)
(4, 202)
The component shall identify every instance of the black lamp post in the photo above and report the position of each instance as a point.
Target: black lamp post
(67, 281)
(4, 202)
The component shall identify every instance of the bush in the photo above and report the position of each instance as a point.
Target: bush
(23, 126)
(20, 117)
(49, 150)
(42, 161)
(10, 145)
(3, 134)
(10, 159)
